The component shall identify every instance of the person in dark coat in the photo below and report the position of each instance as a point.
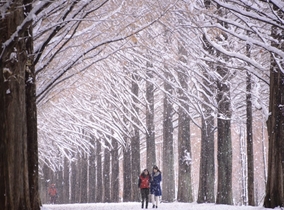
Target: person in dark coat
(155, 189)
(144, 185)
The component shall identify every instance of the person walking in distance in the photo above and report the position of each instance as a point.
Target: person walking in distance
(155, 186)
(144, 185)
(52, 192)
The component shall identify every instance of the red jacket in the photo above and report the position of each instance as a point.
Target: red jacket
(52, 191)
(144, 181)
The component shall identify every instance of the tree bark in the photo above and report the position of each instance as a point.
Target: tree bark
(18, 122)
(206, 193)
(184, 148)
(250, 156)
(135, 142)
(59, 186)
(107, 185)
(150, 134)
(66, 181)
(127, 174)
(92, 173)
(275, 180)
(73, 182)
(84, 178)
(114, 172)
(78, 169)
(99, 192)
(224, 152)
(168, 150)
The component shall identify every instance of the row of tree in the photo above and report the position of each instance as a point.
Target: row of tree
(133, 72)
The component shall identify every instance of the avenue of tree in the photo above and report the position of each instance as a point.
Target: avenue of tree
(92, 92)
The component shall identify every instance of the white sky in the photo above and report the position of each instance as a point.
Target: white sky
(135, 206)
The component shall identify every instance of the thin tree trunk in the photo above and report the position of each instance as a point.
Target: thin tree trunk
(78, 178)
(224, 153)
(250, 156)
(84, 178)
(32, 147)
(135, 142)
(107, 176)
(92, 173)
(114, 172)
(150, 134)
(243, 162)
(168, 150)
(184, 148)
(73, 182)
(99, 192)
(127, 175)
(275, 179)
(66, 181)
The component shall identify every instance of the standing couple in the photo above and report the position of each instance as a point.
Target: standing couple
(152, 182)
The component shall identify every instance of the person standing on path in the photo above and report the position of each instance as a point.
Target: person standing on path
(52, 192)
(144, 185)
(155, 186)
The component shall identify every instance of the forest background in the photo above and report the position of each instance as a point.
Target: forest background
(109, 88)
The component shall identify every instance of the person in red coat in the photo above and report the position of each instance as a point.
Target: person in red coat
(144, 185)
(52, 192)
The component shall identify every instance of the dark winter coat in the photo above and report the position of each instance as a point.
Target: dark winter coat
(144, 181)
(155, 184)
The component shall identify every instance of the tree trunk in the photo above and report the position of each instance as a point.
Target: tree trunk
(19, 179)
(135, 142)
(107, 176)
(59, 187)
(127, 174)
(184, 148)
(99, 192)
(84, 178)
(66, 181)
(206, 193)
(92, 173)
(224, 152)
(168, 150)
(78, 179)
(250, 156)
(73, 182)
(150, 134)
(275, 179)
(114, 172)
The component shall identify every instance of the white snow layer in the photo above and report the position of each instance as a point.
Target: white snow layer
(135, 206)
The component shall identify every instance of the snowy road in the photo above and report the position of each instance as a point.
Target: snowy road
(135, 206)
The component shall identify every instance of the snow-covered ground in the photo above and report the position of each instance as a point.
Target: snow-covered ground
(135, 206)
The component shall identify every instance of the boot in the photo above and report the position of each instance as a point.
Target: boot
(146, 205)
(153, 206)
(142, 204)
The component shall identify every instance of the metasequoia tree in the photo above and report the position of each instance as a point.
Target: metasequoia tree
(272, 17)
(18, 119)
(184, 193)
(275, 180)
(168, 153)
(135, 141)
(150, 114)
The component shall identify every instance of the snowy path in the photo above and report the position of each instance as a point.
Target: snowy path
(136, 206)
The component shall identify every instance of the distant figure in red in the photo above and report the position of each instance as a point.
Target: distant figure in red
(144, 185)
(52, 192)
